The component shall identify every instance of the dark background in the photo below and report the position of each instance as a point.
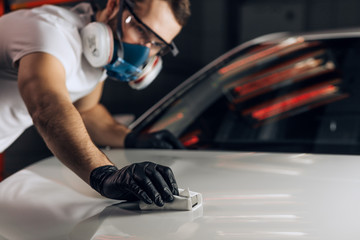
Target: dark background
(215, 27)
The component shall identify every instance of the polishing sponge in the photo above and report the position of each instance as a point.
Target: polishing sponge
(186, 201)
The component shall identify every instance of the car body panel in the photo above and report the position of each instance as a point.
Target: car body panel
(246, 195)
(251, 189)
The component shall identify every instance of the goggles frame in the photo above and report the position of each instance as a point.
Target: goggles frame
(169, 47)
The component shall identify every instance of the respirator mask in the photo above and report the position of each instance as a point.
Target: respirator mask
(123, 61)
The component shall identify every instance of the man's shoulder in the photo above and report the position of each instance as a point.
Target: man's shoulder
(38, 28)
(45, 29)
(57, 16)
(79, 14)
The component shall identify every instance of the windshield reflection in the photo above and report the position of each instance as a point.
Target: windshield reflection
(293, 95)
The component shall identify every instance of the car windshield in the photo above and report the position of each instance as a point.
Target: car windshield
(293, 95)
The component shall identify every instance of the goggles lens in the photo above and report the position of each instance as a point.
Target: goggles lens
(142, 34)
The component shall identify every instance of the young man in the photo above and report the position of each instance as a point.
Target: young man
(46, 80)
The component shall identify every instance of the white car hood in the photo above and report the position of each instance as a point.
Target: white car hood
(245, 196)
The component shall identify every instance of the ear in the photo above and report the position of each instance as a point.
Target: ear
(109, 13)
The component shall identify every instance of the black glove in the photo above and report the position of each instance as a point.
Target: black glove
(163, 139)
(147, 181)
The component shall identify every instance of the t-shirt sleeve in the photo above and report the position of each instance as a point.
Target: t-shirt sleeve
(35, 33)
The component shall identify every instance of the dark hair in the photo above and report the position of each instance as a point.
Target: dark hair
(98, 4)
(180, 8)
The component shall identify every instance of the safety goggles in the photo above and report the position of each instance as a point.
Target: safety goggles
(143, 34)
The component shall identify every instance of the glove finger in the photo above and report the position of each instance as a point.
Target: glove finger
(139, 193)
(159, 182)
(151, 191)
(169, 177)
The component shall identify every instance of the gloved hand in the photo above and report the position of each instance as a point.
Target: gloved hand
(162, 139)
(147, 181)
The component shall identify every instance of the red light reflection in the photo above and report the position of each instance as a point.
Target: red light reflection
(269, 82)
(285, 47)
(193, 140)
(292, 101)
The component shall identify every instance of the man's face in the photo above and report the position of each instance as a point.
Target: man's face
(157, 15)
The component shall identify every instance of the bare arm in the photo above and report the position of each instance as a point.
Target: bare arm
(42, 86)
(101, 126)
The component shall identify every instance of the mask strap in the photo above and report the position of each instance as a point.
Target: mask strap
(118, 33)
(119, 16)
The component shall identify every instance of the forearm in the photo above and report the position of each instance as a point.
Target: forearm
(102, 127)
(61, 126)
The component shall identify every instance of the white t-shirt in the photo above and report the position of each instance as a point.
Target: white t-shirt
(49, 29)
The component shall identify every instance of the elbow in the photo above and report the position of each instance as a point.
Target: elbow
(47, 109)
(41, 113)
